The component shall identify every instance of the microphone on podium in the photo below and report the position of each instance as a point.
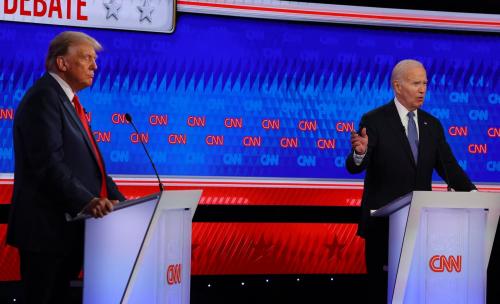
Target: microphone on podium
(128, 117)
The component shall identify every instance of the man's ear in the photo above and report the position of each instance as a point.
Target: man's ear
(396, 85)
(61, 64)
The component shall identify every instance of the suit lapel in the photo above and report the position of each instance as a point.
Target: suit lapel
(399, 129)
(424, 138)
(70, 110)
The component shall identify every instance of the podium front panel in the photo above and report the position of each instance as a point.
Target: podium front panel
(447, 269)
(163, 275)
(447, 264)
(141, 253)
(111, 247)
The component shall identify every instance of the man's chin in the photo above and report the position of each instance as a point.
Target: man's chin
(83, 85)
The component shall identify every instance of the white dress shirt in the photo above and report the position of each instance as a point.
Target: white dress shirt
(65, 86)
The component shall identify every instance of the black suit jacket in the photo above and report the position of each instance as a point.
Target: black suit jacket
(56, 171)
(390, 167)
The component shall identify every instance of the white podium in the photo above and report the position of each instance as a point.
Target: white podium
(141, 252)
(439, 246)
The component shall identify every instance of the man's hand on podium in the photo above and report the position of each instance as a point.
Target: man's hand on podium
(99, 207)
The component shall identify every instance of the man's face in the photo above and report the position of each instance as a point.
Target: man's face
(78, 65)
(411, 88)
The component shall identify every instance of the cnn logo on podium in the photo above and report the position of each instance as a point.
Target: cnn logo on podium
(440, 263)
(174, 274)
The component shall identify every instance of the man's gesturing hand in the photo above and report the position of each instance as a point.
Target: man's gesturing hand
(359, 142)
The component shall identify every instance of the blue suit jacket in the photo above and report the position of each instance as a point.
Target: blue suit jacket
(390, 167)
(56, 171)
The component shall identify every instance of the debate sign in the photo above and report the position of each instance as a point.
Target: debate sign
(137, 15)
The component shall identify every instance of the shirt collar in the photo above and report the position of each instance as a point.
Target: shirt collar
(402, 111)
(64, 85)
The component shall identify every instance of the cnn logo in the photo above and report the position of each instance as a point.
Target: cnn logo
(174, 274)
(440, 263)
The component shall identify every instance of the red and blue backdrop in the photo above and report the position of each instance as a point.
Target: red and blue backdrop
(267, 103)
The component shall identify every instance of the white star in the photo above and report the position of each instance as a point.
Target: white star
(113, 7)
(146, 10)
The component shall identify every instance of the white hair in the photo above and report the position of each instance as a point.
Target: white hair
(402, 67)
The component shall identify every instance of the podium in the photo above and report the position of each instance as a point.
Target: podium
(439, 246)
(141, 252)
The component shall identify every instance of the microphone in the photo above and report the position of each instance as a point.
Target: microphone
(128, 117)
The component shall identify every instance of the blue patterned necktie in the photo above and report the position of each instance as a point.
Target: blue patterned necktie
(413, 135)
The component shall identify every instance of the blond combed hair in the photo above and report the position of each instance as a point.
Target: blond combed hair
(60, 44)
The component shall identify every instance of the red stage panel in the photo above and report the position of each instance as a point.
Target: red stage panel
(215, 195)
(251, 248)
(276, 248)
(6, 191)
(281, 196)
(9, 258)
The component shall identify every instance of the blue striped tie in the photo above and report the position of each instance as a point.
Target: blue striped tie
(413, 135)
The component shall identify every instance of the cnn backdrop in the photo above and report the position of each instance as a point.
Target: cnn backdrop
(236, 97)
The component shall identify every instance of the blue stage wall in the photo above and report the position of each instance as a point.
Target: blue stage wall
(210, 97)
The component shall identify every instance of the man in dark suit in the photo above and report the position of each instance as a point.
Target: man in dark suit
(399, 146)
(58, 170)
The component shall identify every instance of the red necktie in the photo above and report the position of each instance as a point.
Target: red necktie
(83, 119)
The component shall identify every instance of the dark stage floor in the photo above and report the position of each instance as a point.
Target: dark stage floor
(249, 289)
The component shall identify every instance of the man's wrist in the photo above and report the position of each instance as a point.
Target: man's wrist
(358, 159)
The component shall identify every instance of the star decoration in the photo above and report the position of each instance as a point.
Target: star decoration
(146, 10)
(335, 248)
(113, 7)
(262, 248)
